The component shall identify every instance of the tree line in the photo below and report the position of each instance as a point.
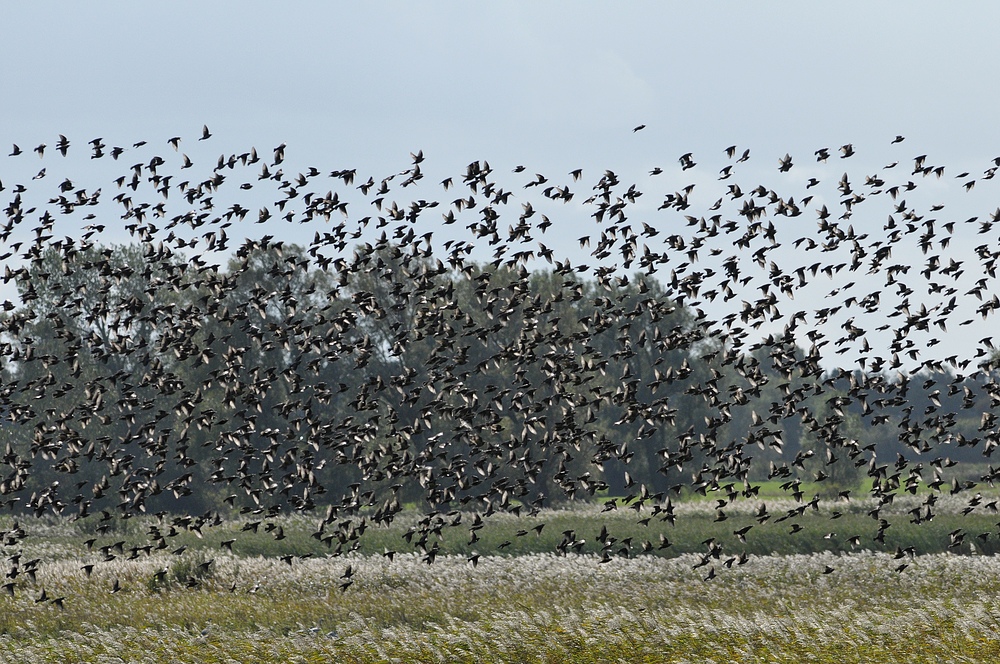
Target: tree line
(136, 379)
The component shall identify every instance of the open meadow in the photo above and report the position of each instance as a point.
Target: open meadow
(704, 597)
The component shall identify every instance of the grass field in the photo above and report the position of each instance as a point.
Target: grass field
(838, 526)
(690, 601)
(537, 607)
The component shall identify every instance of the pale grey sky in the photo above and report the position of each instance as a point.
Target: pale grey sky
(553, 86)
(555, 82)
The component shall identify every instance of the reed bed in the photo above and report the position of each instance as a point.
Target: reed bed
(825, 607)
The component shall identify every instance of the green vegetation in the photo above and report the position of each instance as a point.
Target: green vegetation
(333, 379)
(919, 593)
(309, 454)
(790, 527)
(858, 607)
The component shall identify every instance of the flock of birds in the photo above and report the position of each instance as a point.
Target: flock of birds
(737, 265)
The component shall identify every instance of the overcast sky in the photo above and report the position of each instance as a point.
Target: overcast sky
(548, 83)
(553, 86)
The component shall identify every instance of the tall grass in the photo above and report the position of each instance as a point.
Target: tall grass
(832, 594)
(839, 527)
(541, 607)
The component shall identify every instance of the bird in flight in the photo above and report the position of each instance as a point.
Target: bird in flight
(259, 337)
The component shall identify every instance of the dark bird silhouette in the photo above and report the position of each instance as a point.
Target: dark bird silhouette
(462, 362)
